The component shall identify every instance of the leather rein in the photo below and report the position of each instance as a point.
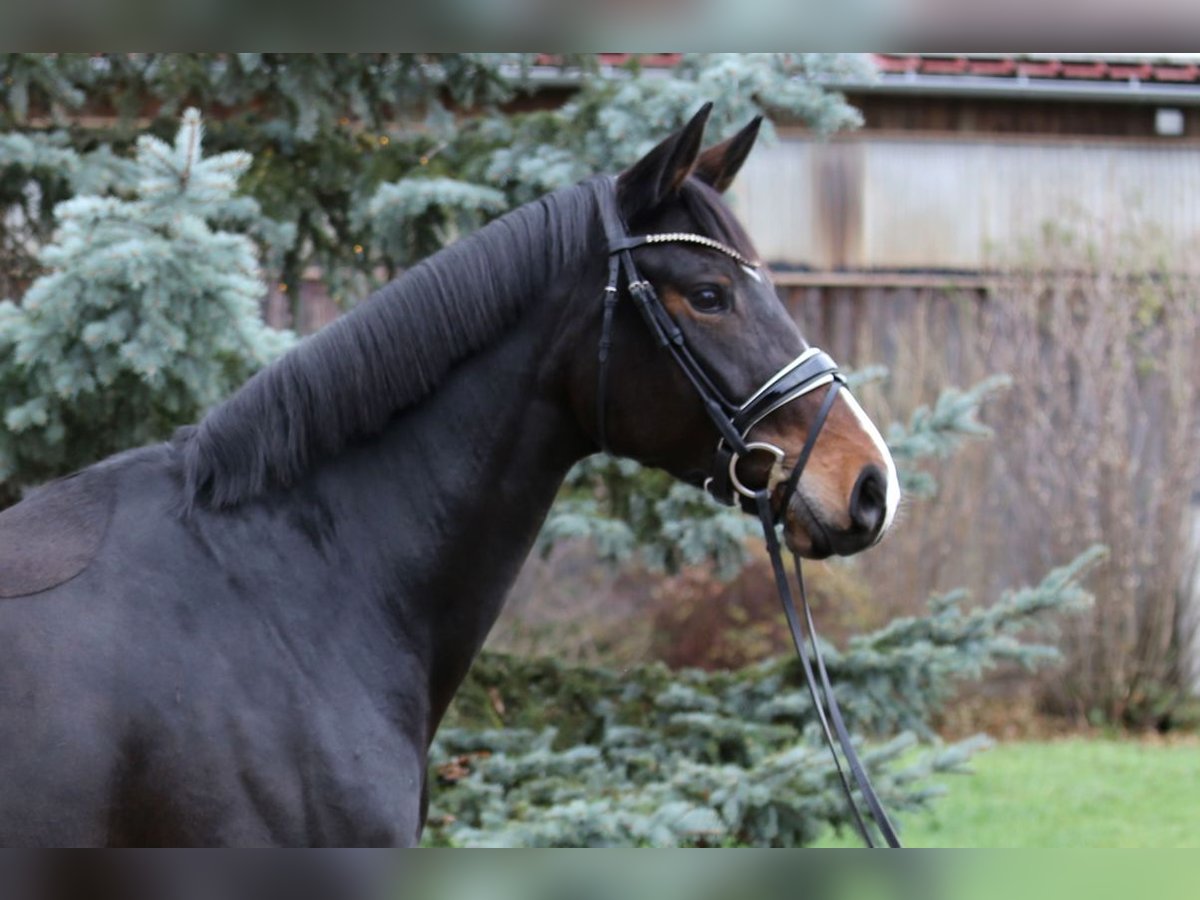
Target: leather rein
(810, 371)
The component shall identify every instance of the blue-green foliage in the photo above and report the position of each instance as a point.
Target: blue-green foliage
(325, 130)
(540, 754)
(625, 510)
(415, 218)
(937, 432)
(144, 314)
(613, 120)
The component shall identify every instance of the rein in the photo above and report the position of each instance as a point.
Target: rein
(810, 371)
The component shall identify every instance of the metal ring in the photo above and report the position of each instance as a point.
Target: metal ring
(776, 476)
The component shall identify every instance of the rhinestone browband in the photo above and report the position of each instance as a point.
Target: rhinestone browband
(682, 236)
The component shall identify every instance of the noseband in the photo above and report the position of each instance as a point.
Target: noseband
(734, 421)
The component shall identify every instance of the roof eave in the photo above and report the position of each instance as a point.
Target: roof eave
(1023, 88)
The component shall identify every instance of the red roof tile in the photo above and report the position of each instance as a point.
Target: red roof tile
(1125, 71)
(937, 66)
(887, 63)
(1006, 66)
(649, 60)
(1071, 68)
(1084, 69)
(1175, 73)
(1048, 68)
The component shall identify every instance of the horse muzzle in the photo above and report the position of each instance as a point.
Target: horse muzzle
(809, 532)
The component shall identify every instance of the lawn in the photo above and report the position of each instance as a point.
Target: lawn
(1066, 793)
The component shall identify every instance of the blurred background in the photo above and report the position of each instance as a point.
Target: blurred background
(1003, 247)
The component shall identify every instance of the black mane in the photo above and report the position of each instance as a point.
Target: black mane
(348, 380)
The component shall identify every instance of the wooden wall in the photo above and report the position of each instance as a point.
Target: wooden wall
(903, 203)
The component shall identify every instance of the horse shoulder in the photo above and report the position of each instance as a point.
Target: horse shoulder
(52, 535)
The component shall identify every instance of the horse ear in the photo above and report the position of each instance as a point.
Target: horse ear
(719, 165)
(661, 172)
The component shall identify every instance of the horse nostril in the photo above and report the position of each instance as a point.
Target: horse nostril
(868, 501)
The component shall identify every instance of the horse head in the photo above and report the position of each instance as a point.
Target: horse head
(715, 337)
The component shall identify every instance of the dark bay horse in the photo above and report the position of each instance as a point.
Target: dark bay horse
(248, 635)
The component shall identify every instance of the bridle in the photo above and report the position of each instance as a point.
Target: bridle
(808, 372)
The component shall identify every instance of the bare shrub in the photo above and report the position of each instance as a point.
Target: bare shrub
(578, 609)
(1099, 328)
(1096, 443)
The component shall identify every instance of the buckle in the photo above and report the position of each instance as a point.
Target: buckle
(775, 477)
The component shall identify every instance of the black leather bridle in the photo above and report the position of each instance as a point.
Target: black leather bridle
(810, 371)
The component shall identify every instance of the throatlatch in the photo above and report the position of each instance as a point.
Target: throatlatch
(810, 371)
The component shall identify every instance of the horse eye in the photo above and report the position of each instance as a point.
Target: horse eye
(708, 298)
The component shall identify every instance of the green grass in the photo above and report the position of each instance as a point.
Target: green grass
(1068, 793)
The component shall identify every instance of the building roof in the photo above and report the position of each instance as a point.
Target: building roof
(1149, 78)
(1169, 68)
(1101, 67)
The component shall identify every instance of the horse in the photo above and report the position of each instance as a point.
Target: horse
(248, 634)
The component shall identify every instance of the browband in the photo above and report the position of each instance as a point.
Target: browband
(680, 237)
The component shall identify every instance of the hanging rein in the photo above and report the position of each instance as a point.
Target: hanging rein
(734, 421)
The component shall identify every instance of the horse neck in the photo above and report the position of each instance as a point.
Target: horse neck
(443, 507)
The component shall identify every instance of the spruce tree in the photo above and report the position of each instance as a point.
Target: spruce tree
(540, 753)
(323, 131)
(145, 313)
